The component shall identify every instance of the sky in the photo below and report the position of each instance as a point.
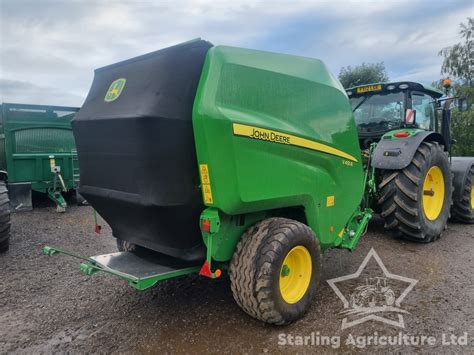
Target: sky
(49, 49)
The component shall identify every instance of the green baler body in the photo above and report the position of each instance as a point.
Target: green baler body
(304, 152)
(268, 135)
(30, 135)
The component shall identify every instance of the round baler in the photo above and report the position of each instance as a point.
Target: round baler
(204, 159)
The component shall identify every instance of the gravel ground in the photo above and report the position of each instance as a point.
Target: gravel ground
(47, 305)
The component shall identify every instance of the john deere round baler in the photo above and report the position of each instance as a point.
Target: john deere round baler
(205, 158)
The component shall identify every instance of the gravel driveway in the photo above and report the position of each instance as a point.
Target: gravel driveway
(47, 305)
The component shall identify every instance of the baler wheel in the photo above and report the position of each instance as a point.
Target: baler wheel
(4, 218)
(123, 245)
(275, 270)
(463, 210)
(416, 200)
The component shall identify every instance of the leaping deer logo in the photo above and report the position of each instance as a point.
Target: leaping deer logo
(115, 89)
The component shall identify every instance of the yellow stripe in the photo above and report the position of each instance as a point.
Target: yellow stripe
(283, 138)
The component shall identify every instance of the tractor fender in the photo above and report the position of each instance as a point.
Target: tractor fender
(460, 167)
(396, 154)
(3, 175)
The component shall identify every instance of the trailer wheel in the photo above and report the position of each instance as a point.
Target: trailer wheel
(463, 210)
(4, 218)
(123, 245)
(275, 270)
(416, 200)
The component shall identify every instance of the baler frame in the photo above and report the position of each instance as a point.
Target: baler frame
(135, 278)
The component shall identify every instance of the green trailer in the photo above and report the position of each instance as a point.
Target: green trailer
(37, 153)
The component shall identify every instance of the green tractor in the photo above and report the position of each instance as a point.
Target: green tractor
(407, 125)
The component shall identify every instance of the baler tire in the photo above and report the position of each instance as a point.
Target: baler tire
(5, 222)
(402, 196)
(463, 210)
(123, 245)
(80, 200)
(256, 268)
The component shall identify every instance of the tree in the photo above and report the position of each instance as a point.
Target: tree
(459, 64)
(459, 59)
(366, 73)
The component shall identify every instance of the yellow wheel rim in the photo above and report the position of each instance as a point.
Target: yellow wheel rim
(295, 274)
(472, 197)
(433, 193)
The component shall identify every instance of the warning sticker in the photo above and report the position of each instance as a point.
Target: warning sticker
(330, 201)
(206, 184)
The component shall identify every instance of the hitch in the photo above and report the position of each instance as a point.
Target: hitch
(54, 192)
(50, 251)
(210, 224)
(355, 229)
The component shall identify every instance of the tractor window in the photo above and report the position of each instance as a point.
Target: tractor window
(425, 110)
(379, 112)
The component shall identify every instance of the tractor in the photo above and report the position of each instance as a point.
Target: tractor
(404, 133)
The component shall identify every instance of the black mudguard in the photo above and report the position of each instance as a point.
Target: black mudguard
(460, 167)
(396, 154)
(20, 195)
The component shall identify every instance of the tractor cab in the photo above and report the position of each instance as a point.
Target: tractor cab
(384, 107)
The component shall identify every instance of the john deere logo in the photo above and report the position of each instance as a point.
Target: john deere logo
(115, 90)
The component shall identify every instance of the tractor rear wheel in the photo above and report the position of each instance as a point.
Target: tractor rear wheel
(275, 270)
(463, 210)
(4, 218)
(416, 200)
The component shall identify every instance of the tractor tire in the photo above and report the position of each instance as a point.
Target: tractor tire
(4, 218)
(463, 210)
(123, 245)
(416, 200)
(275, 270)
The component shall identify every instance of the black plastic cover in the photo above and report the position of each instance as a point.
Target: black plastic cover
(137, 154)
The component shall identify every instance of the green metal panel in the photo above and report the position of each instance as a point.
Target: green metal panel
(40, 140)
(276, 131)
(31, 134)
